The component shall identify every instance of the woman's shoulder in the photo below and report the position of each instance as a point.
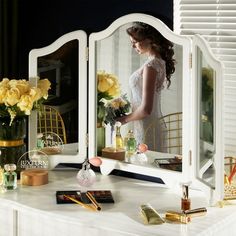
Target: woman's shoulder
(155, 62)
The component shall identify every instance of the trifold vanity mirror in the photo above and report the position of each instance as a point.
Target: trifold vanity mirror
(191, 106)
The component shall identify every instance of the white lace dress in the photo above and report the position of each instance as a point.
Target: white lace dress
(149, 130)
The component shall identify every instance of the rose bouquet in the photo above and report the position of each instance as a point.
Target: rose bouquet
(114, 108)
(18, 97)
(111, 104)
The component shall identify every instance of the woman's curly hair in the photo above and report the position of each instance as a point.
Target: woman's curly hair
(141, 31)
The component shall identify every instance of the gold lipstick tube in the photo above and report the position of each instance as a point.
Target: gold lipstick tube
(196, 212)
(177, 217)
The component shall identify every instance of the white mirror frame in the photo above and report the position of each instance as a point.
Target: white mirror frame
(87, 145)
(169, 177)
(81, 36)
(216, 194)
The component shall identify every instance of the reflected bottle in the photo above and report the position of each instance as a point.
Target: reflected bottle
(130, 144)
(119, 139)
(10, 177)
(40, 143)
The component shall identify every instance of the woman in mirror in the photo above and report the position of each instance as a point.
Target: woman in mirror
(147, 83)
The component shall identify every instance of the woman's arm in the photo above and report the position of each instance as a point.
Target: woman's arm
(145, 108)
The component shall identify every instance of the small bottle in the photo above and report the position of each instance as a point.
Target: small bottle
(119, 139)
(185, 201)
(40, 143)
(10, 177)
(131, 144)
(1, 175)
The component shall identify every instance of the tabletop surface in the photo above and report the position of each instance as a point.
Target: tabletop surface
(123, 216)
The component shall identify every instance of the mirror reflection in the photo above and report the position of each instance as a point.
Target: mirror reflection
(206, 80)
(60, 113)
(145, 70)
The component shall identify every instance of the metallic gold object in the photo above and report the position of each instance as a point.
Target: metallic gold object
(185, 216)
(80, 203)
(93, 200)
(150, 215)
(34, 177)
(177, 217)
(196, 212)
(11, 143)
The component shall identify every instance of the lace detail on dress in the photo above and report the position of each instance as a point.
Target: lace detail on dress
(160, 66)
(148, 130)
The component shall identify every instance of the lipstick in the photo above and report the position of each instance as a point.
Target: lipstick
(196, 212)
(177, 217)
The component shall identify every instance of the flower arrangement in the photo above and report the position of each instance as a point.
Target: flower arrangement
(114, 108)
(18, 97)
(111, 103)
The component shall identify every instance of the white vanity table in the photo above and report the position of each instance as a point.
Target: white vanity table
(33, 210)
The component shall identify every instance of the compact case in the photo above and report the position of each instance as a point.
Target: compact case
(101, 196)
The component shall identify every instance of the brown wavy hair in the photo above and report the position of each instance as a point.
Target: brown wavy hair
(141, 31)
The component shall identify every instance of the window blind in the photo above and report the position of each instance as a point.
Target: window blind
(215, 20)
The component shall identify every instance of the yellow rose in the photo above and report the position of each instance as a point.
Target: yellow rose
(117, 103)
(35, 93)
(104, 84)
(22, 85)
(122, 102)
(12, 97)
(108, 83)
(12, 83)
(26, 104)
(114, 91)
(44, 85)
(4, 82)
(3, 92)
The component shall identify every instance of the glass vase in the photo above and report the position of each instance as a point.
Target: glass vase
(100, 138)
(12, 145)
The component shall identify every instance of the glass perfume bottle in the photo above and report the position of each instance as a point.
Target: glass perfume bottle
(86, 176)
(131, 144)
(10, 177)
(185, 200)
(119, 139)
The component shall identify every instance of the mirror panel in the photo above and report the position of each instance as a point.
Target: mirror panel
(114, 55)
(63, 63)
(61, 68)
(207, 170)
(206, 148)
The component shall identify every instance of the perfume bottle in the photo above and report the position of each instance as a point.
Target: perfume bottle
(40, 143)
(10, 177)
(86, 176)
(1, 176)
(131, 144)
(119, 139)
(185, 201)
